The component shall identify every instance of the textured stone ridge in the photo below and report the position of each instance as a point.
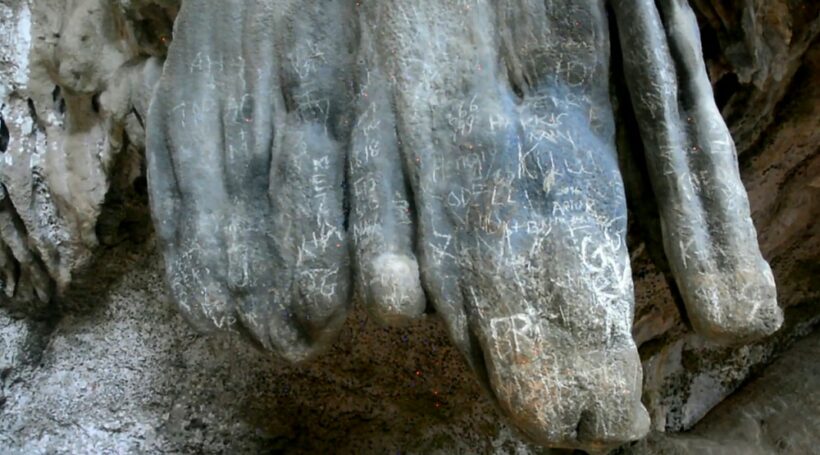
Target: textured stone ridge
(112, 368)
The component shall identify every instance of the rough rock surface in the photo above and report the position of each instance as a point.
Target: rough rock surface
(78, 86)
(110, 366)
(775, 413)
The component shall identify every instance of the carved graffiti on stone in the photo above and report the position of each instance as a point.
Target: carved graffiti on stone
(459, 155)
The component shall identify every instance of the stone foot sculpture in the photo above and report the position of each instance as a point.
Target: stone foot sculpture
(246, 154)
(476, 141)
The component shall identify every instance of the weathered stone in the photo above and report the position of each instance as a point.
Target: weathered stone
(775, 413)
(495, 178)
(518, 204)
(246, 163)
(708, 235)
(128, 377)
(73, 115)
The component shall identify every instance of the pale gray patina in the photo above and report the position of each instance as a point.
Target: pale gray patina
(460, 155)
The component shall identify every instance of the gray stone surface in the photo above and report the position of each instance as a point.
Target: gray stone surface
(491, 182)
(774, 414)
(708, 235)
(246, 166)
(107, 364)
(519, 209)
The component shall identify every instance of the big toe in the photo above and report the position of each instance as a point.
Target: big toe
(561, 396)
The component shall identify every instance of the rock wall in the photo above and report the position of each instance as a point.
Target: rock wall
(95, 359)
